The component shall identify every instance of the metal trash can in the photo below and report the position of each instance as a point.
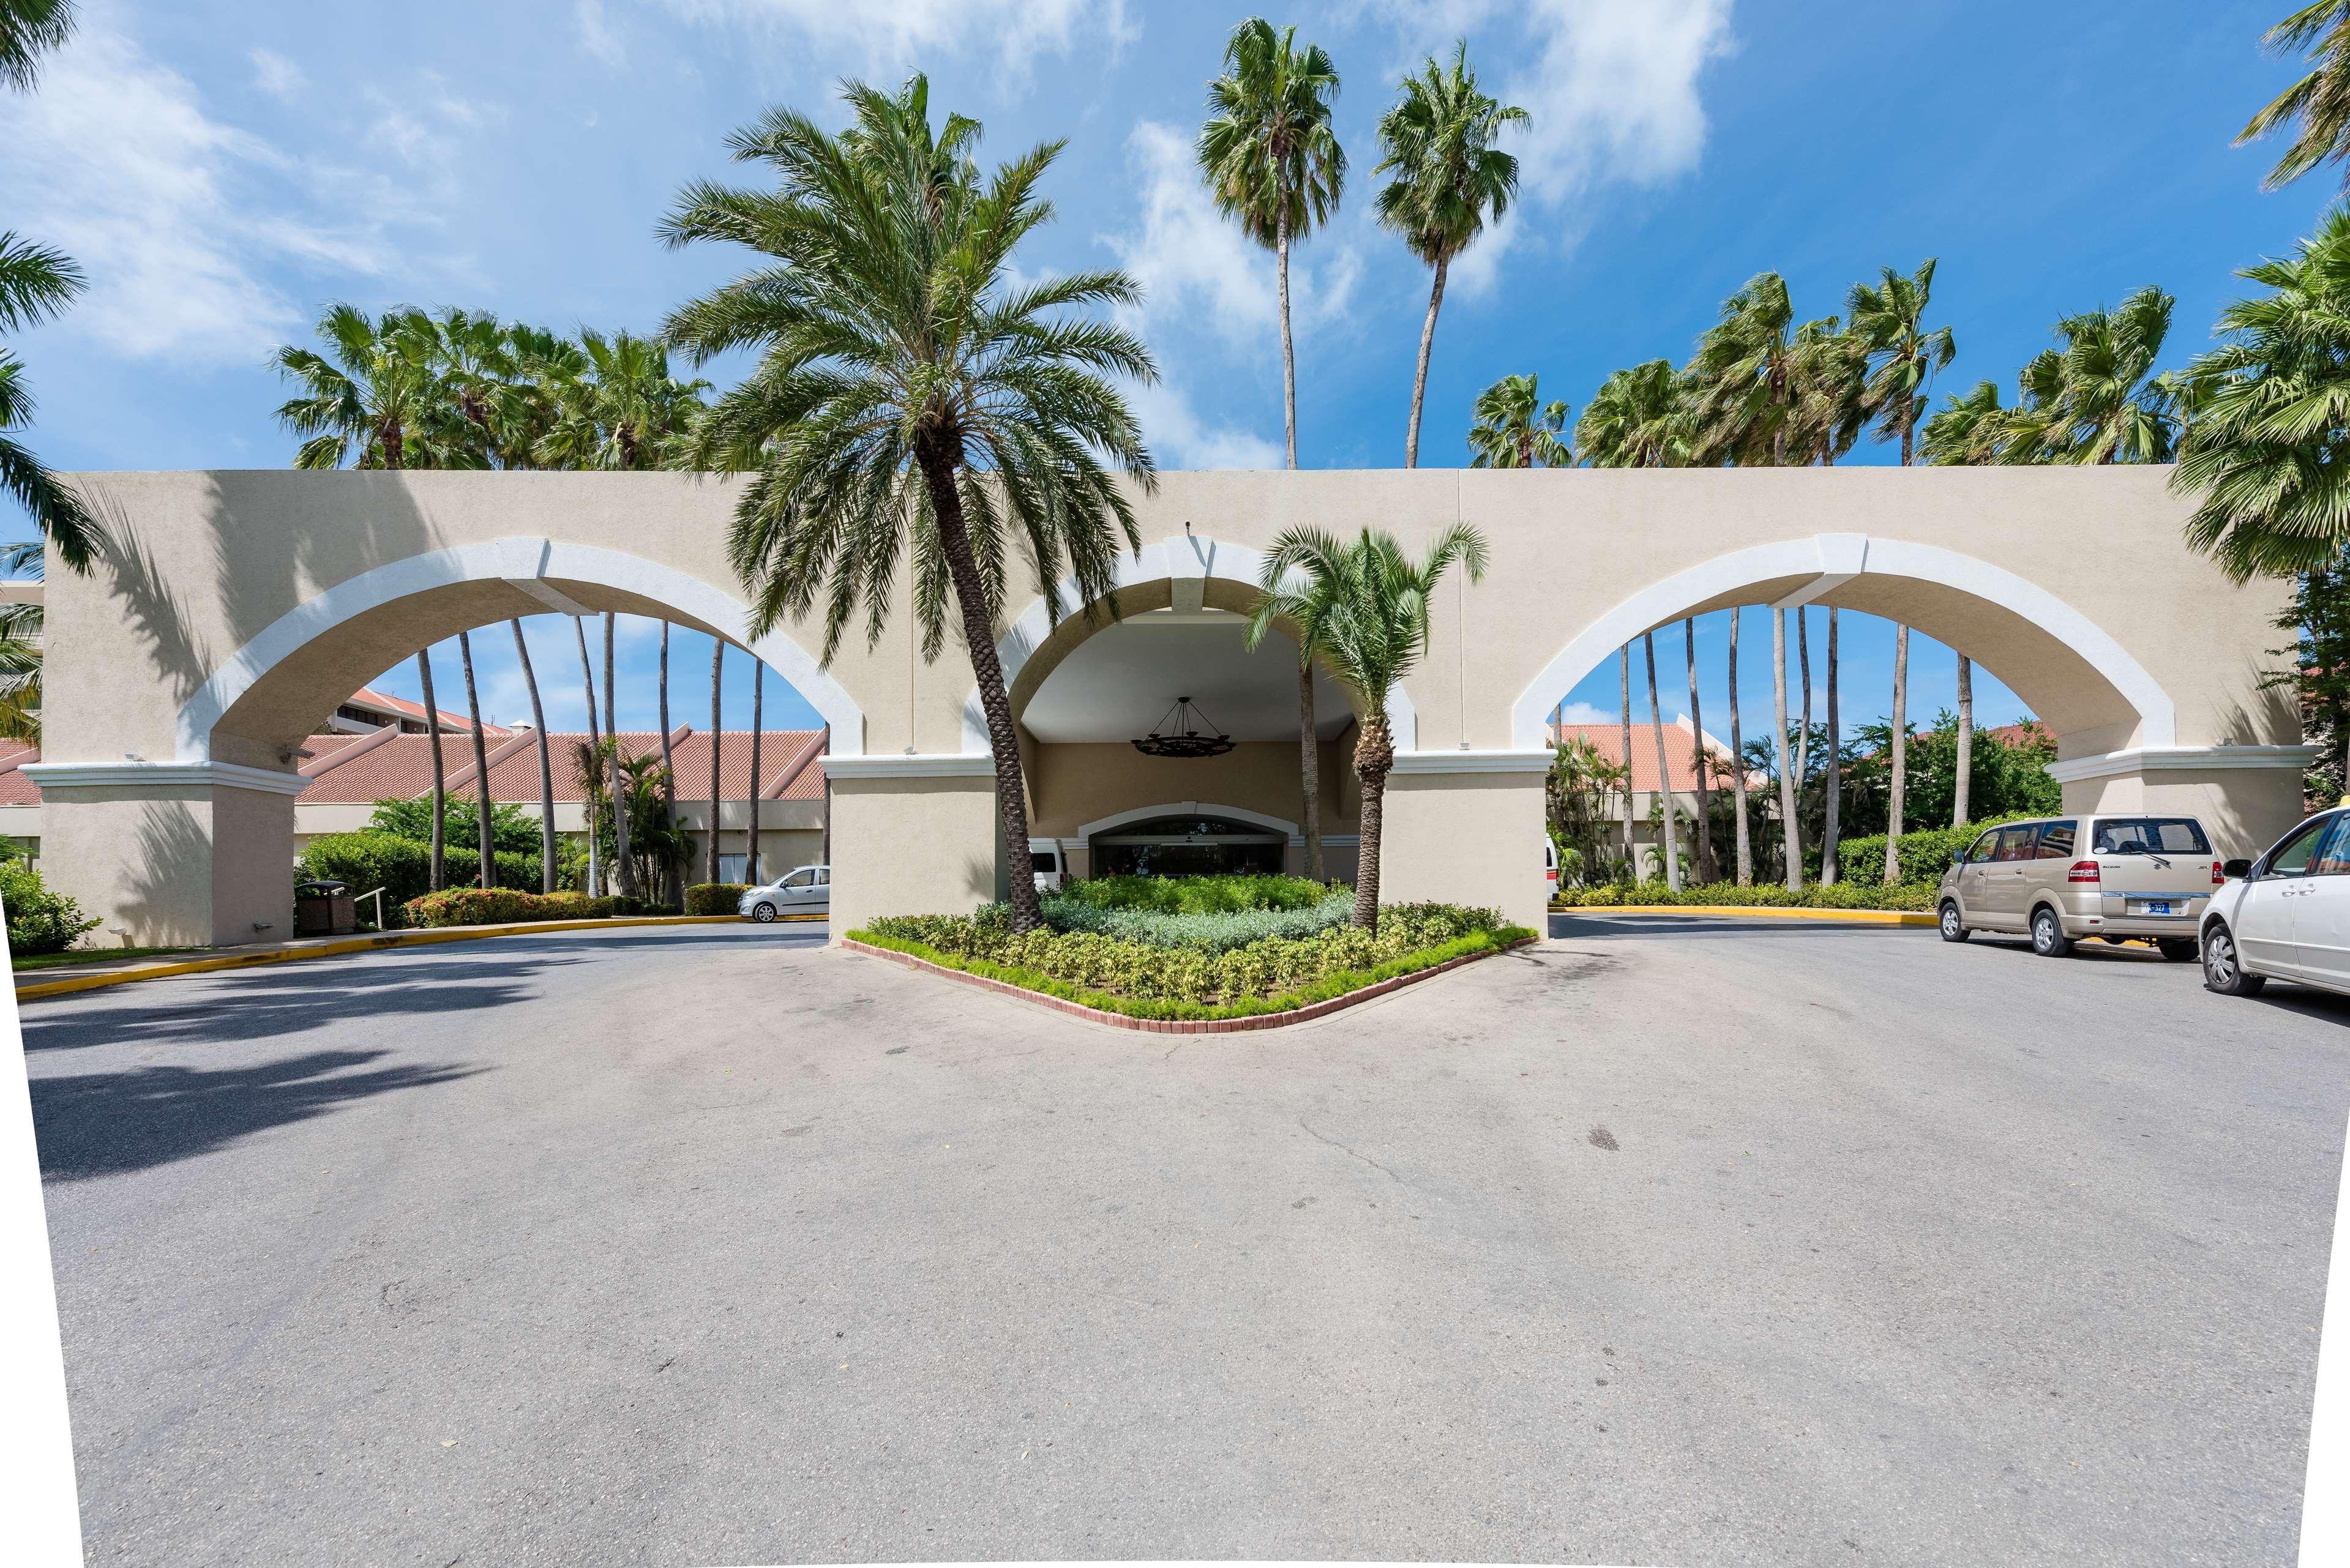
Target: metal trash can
(324, 909)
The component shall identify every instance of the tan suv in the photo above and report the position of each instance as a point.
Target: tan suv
(2066, 879)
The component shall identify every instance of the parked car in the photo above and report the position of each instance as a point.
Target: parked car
(1044, 862)
(2062, 879)
(2285, 916)
(1550, 868)
(804, 890)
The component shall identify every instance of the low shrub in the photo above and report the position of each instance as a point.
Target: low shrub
(1124, 966)
(39, 922)
(499, 906)
(403, 867)
(1208, 933)
(1220, 895)
(1925, 854)
(1905, 895)
(716, 897)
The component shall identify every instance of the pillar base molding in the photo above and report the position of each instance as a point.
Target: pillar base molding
(1467, 762)
(2181, 759)
(918, 765)
(158, 775)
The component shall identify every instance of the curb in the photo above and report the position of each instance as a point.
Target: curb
(1857, 917)
(378, 942)
(1181, 1025)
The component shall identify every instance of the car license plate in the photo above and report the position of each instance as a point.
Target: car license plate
(2152, 906)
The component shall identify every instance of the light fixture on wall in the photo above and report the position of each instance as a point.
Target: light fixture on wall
(1179, 734)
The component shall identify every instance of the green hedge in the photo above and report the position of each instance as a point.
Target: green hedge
(1208, 933)
(1335, 983)
(403, 867)
(500, 906)
(1925, 854)
(716, 897)
(1223, 895)
(1907, 896)
(39, 922)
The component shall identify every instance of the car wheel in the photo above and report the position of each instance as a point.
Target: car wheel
(2223, 968)
(2048, 937)
(763, 912)
(2177, 949)
(1954, 929)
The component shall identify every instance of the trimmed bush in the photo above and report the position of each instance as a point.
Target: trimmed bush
(1907, 896)
(716, 897)
(500, 906)
(403, 867)
(1207, 934)
(1222, 895)
(1925, 854)
(39, 922)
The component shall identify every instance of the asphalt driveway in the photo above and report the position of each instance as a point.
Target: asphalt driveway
(1668, 1242)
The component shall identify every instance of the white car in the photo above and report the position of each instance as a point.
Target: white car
(2285, 916)
(807, 890)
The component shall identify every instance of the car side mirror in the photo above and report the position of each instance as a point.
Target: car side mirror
(2236, 869)
(1957, 857)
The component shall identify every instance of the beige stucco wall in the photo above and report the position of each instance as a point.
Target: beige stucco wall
(1466, 839)
(910, 847)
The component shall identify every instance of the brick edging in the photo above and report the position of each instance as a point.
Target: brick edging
(1179, 1025)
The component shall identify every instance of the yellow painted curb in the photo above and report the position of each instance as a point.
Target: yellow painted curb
(1863, 917)
(373, 943)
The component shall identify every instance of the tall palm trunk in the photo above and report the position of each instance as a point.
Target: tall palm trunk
(1288, 355)
(1664, 772)
(1966, 765)
(1804, 735)
(622, 861)
(1419, 376)
(1374, 760)
(1738, 758)
(979, 636)
(1309, 765)
(758, 719)
(822, 757)
(1705, 866)
(587, 785)
(546, 872)
(439, 874)
(671, 892)
(1789, 832)
(1624, 683)
(717, 676)
(1895, 804)
(1835, 767)
(489, 843)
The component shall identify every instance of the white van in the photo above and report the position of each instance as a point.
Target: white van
(2285, 916)
(1044, 862)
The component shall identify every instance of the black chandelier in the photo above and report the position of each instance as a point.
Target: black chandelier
(1177, 735)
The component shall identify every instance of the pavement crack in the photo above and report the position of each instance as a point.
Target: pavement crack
(1345, 1149)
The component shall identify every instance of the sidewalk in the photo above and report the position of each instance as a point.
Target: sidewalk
(32, 984)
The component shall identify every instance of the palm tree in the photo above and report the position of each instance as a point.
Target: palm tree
(2319, 103)
(1737, 756)
(758, 719)
(1828, 393)
(588, 688)
(1970, 430)
(1706, 871)
(1515, 429)
(1309, 765)
(2269, 457)
(438, 876)
(1664, 772)
(1624, 710)
(28, 29)
(671, 892)
(621, 861)
(1790, 832)
(1449, 179)
(1904, 359)
(481, 765)
(717, 677)
(1834, 809)
(377, 395)
(21, 630)
(1966, 758)
(911, 399)
(1271, 156)
(35, 284)
(547, 871)
(2114, 408)
(1366, 607)
(623, 409)
(1744, 376)
(1638, 418)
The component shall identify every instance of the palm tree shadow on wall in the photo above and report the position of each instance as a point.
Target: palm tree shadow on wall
(156, 612)
(104, 1124)
(175, 853)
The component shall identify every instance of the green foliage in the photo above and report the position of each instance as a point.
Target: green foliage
(714, 898)
(1852, 895)
(512, 830)
(1925, 852)
(2317, 107)
(2004, 780)
(1147, 981)
(1641, 418)
(2096, 398)
(1515, 429)
(500, 906)
(1196, 895)
(403, 867)
(1208, 931)
(2319, 673)
(39, 922)
(1581, 792)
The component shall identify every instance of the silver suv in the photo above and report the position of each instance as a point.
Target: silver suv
(2064, 879)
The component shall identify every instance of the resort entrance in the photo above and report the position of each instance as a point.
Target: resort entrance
(1187, 847)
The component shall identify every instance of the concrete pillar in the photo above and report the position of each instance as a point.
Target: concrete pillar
(2246, 796)
(1466, 828)
(910, 835)
(173, 854)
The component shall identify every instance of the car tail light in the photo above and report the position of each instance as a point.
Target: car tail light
(2083, 871)
(2219, 873)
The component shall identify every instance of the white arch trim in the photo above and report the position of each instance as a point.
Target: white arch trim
(1186, 560)
(526, 563)
(1187, 808)
(1831, 560)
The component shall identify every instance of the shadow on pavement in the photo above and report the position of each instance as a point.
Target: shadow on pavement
(1590, 923)
(100, 1123)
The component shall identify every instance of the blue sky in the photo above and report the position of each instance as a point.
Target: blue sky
(222, 169)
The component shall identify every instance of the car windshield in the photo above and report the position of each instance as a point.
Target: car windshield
(2152, 836)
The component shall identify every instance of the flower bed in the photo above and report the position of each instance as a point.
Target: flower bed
(1907, 896)
(1147, 980)
(502, 906)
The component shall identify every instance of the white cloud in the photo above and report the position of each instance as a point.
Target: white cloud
(278, 75)
(902, 31)
(1585, 713)
(1180, 438)
(1612, 90)
(596, 35)
(177, 217)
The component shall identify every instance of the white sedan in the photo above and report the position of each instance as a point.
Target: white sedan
(807, 890)
(2285, 916)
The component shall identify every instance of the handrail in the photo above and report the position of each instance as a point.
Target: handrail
(377, 897)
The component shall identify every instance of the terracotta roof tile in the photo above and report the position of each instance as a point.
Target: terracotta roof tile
(1608, 741)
